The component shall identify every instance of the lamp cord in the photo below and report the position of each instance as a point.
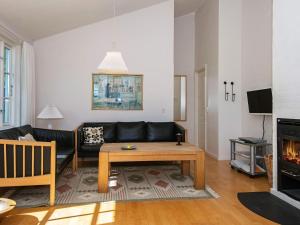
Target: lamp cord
(115, 25)
(114, 2)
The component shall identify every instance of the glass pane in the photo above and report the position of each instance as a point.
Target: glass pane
(7, 65)
(6, 111)
(7, 87)
(7, 59)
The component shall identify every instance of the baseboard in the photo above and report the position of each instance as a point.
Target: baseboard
(212, 155)
(285, 198)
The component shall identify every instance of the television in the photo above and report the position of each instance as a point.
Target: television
(260, 101)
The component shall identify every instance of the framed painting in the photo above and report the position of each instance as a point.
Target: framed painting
(117, 92)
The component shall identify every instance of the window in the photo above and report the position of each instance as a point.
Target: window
(6, 86)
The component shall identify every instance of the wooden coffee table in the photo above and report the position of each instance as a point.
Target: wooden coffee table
(152, 151)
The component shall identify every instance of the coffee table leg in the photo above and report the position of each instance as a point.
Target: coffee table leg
(103, 172)
(199, 171)
(185, 168)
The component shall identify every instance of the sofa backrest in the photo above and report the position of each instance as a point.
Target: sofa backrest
(16, 132)
(131, 131)
(26, 129)
(10, 134)
(161, 131)
(136, 131)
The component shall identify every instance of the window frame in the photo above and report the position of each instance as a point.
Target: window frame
(11, 85)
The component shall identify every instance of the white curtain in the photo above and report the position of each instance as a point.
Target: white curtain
(27, 85)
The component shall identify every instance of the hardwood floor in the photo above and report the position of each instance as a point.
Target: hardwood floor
(224, 210)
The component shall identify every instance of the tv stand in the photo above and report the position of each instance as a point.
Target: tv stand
(246, 161)
(252, 140)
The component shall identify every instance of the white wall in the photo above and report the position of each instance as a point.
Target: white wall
(65, 62)
(256, 61)
(234, 38)
(184, 64)
(206, 45)
(286, 70)
(230, 68)
(245, 57)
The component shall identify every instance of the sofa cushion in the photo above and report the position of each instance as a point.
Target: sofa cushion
(64, 151)
(131, 131)
(26, 129)
(10, 134)
(61, 163)
(161, 131)
(109, 130)
(91, 147)
(93, 135)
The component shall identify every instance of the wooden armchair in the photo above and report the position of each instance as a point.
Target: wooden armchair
(26, 163)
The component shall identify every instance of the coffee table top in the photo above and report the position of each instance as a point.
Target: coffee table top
(153, 147)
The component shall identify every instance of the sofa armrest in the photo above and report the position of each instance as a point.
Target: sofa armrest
(180, 129)
(79, 136)
(63, 138)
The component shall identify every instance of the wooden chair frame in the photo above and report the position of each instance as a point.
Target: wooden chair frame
(43, 179)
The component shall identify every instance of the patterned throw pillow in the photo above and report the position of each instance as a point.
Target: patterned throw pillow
(93, 135)
(27, 137)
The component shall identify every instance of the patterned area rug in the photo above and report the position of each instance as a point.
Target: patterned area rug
(126, 183)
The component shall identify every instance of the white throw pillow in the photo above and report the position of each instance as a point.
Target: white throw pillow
(27, 137)
(93, 135)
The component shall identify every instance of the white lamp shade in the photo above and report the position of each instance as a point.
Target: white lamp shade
(113, 63)
(50, 112)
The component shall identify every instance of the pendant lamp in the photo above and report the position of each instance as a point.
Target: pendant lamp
(113, 62)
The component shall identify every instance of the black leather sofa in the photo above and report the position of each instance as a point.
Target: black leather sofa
(65, 142)
(128, 132)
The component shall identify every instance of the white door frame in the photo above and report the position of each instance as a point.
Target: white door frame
(201, 72)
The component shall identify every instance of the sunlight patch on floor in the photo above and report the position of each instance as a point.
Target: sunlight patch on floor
(106, 217)
(86, 220)
(107, 206)
(106, 213)
(73, 211)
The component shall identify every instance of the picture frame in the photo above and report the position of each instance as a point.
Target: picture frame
(117, 91)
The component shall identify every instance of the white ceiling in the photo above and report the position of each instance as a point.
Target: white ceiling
(35, 19)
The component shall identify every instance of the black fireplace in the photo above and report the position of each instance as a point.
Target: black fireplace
(288, 147)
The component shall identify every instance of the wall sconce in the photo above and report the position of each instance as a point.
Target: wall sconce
(226, 93)
(232, 92)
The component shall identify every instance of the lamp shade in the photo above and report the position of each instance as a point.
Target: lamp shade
(113, 63)
(50, 112)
